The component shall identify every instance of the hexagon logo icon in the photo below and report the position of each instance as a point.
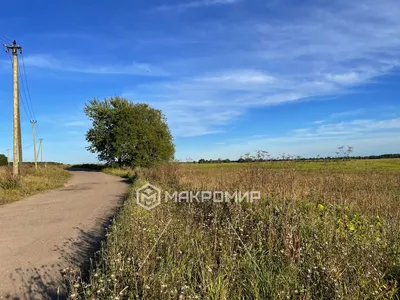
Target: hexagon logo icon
(148, 196)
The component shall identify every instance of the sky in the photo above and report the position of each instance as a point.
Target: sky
(231, 76)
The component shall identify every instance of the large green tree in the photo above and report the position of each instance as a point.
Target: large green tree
(130, 134)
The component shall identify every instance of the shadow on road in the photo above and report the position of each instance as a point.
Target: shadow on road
(47, 281)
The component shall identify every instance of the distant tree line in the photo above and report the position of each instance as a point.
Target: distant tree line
(214, 161)
(248, 158)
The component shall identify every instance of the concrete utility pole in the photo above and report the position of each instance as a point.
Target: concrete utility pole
(34, 142)
(19, 136)
(17, 144)
(40, 150)
(8, 157)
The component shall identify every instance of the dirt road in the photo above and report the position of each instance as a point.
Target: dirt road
(45, 233)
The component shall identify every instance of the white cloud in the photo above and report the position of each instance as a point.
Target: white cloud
(196, 4)
(357, 126)
(347, 113)
(72, 65)
(77, 123)
(240, 77)
(345, 78)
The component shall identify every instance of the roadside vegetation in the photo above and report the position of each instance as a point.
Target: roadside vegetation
(330, 232)
(30, 182)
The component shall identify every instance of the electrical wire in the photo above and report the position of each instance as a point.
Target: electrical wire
(5, 39)
(27, 92)
(27, 87)
(25, 99)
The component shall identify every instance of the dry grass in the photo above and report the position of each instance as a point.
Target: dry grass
(30, 182)
(315, 235)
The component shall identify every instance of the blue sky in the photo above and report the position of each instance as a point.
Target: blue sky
(232, 76)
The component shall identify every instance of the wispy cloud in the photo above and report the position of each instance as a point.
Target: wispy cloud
(196, 4)
(73, 65)
(357, 126)
(347, 113)
(305, 54)
(239, 77)
(342, 115)
(77, 123)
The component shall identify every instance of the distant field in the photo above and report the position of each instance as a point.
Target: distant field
(381, 165)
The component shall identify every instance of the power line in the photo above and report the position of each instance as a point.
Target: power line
(5, 39)
(27, 86)
(27, 92)
(25, 99)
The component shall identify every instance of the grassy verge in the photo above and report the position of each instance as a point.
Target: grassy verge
(312, 236)
(31, 182)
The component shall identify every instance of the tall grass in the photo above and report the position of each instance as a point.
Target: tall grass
(30, 182)
(314, 235)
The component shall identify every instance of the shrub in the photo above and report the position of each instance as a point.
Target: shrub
(3, 160)
(9, 181)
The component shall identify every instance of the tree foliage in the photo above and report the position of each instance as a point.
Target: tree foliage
(3, 160)
(130, 134)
